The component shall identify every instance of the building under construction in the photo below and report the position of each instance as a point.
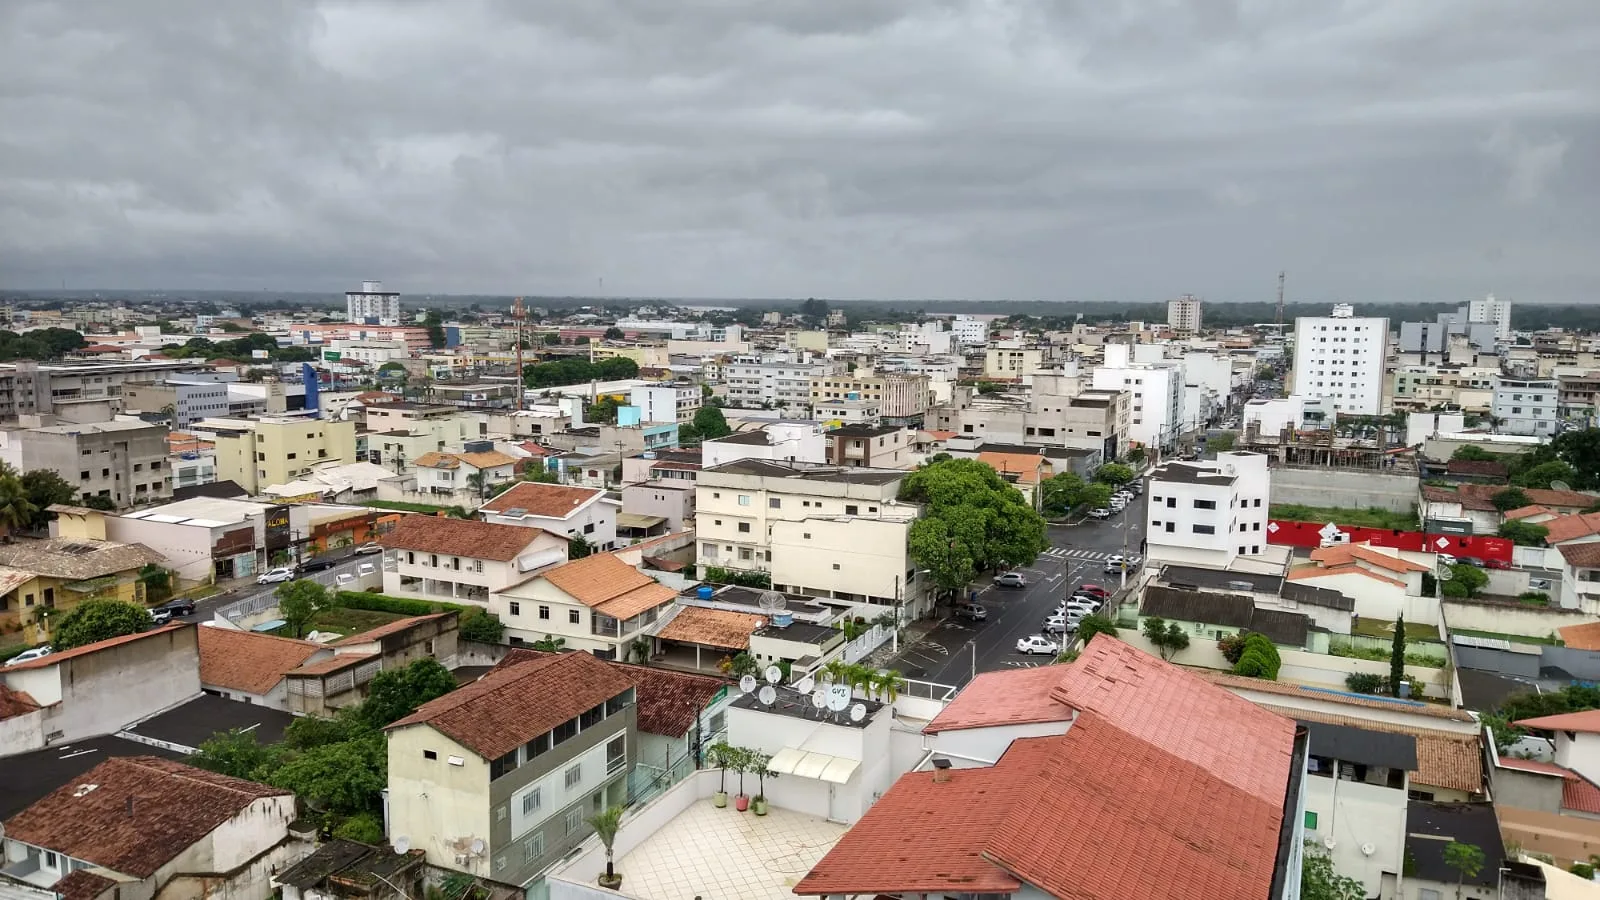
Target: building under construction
(1350, 447)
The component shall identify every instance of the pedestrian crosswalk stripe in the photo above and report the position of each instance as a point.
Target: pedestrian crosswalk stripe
(1075, 553)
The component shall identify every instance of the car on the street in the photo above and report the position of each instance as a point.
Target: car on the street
(1446, 559)
(28, 656)
(1010, 580)
(160, 616)
(1100, 512)
(1497, 564)
(1088, 607)
(369, 548)
(1126, 495)
(1472, 561)
(317, 565)
(276, 576)
(972, 612)
(1037, 643)
(1095, 590)
(1055, 625)
(178, 607)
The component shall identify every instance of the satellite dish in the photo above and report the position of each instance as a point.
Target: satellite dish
(401, 843)
(806, 684)
(858, 712)
(477, 846)
(1559, 485)
(838, 697)
(748, 684)
(819, 698)
(1444, 573)
(774, 674)
(768, 694)
(1329, 842)
(1368, 849)
(772, 602)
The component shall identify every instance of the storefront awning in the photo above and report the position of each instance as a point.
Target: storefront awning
(808, 764)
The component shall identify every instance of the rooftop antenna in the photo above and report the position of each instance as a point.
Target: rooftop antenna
(774, 674)
(775, 605)
(767, 695)
(1280, 297)
(518, 314)
(747, 684)
(858, 712)
(819, 699)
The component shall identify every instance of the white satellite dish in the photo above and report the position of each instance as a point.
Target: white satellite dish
(838, 697)
(401, 843)
(477, 846)
(772, 602)
(748, 684)
(1444, 573)
(774, 674)
(1368, 849)
(819, 698)
(768, 694)
(806, 684)
(858, 712)
(1559, 485)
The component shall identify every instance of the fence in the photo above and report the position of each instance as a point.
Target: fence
(1435, 649)
(645, 782)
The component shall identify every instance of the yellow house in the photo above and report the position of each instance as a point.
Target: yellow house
(256, 453)
(39, 579)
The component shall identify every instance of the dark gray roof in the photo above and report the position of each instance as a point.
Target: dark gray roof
(1228, 610)
(202, 718)
(1221, 579)
(800, 633)
(864, 430)
(1182, 473)
(27, 778)
(809, 472)
(757, 438)
(1281, 626)
(1430, 827)
(1362, 747)
(222, 490)
(1029, 450)
(1317, 596)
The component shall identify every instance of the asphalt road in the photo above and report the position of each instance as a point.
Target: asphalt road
(206, 610)
(956, 648)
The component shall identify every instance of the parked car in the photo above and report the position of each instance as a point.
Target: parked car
(179, 607)
(972, 612)
(1117, 503)
(369, 548)
(275, 576)
(1095, 590)
(1472, 561)
(1088, 607)
(1100, 513)
(1445, 559)
(160, 616)
(1037, 643)
(1010, 580)
(1054, 625)
(28, 656)
(317, 565)
(1497, 564)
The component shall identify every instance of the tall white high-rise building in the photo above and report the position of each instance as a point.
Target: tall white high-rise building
(1339, 358)
(1497, 312)
(372, 305)
(1183, 314)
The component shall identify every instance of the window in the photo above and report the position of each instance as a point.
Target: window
(851, 509)
(836, 567)
(430, 754)
(533, 847)
(544, 612)
(592, 717)
(537, 747)
(744, 527)
(744, 499)
(616, 754)
(774, 503)
(744, 553)
(564, 732)
(530, 802)
(1205, 504)
(1205, 529)
(500, 814)
(1428, 894)
(516, 608)
(573, 820)
(573, 617)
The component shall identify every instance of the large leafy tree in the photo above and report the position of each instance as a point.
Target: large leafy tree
(1509, 499)
(1320, 881)
(343, 779)
(239, 754)
(1465, 581)
(98, 620)
(1114, 473)
(45, 487)
(1096, 624)
(300, 601)
(710, 423)
(1167, 637)
(397, 693)
(1543, 474)
(1527, 534)
(17, 512)
(972, 520)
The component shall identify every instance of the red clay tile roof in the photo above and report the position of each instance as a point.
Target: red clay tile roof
(550, 501)
(82, 884)
(1587, 721)
(1581, 637)
(249, 661)
(1487, 467)
(1304, 573)
(460, 537)
(603, 581)
(1337, 556)
(1523, 512)
(174, 807)
(15, 703)
(721, 628)
(669, 702)
(1156, 759)
(1582, 555)
(54, 659)
(1444, 759)
(1009, 697)
(637, 601)
(1467, 501)
(515, 703)
(395, 627)
(1565, 528)
(1538, 767)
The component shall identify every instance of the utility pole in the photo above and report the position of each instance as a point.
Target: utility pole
(1280, 297)
(517, 315)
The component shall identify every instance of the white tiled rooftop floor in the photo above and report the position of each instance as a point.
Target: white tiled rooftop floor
(724, 854)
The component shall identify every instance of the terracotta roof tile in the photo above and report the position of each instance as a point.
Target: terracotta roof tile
(1010, 697)
(1338, 556)
(1444, 759)
(1565, 528)
(395, 627)
(1523, 512)
(55, 659)
(1467, 501)
(550, 501)
(15, 703)
(1541, 496)
(1281, 688)
(487, 459)
(721, 628)
(1487, 467)
(601, 578)
(1582, 555)
(637, 601)
(460, 537)
(332, 664)
(1587, 721)
(513, 704)
(82, 884)
(1026, 466)
(1538, 767)
(174, 807)
(435, 459)
(1581, 637)
(669, 702)
(1304, 573)
(249, 661)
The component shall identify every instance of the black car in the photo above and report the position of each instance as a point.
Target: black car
(177, 608)
(316, 565)
(1470, 561)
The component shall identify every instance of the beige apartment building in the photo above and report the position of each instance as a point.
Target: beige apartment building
(123, 460)
(256, 453)
(1418, 388)
(901, 399)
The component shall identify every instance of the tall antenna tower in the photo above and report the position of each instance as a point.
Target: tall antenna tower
(1280, 297)
(518, 314)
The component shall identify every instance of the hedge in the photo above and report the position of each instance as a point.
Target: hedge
(403, 606)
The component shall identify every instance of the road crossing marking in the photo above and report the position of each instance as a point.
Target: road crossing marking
(1075, 553)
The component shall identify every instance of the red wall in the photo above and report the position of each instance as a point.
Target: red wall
(1309, 534)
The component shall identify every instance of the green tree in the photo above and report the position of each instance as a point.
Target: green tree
(1096, 624)
(363, 828)
(17, 512)
(300, 601)
(44, 488)
(392, 370)
(435, 325)
(603, 411)
(1259, 658)
(236, 753)
(100, 502)
(1466, 859)
(1222, 442)
(1320, 881)
(98, 620)
(710, 423)
(157, 581)
(1061, 494)
(550, 644)
(1509, 499)
(1541, 475)
(1465, 581)
(397, 693)
(343, 779)
(1397, 655)
(1580, 449)
(614, 334)
(1167, 637)
(306, 732)
(1470, 453)
(606, 823)
(483, 627)
(814, 311)
(578, 547)
(972, 520)
(1114, 473)
(1526, 534)
(989, 387)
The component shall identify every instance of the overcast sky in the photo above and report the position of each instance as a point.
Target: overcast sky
(1075, 149)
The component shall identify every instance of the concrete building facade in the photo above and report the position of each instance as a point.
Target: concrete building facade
(1340, 358)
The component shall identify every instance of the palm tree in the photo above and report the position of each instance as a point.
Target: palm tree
(887, 683)
(606, 823)
(16, 510)
(477, 482)
(550, 644)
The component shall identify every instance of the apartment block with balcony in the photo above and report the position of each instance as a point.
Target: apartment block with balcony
(597, 604)
(1420, 388)
(28, 387)
(871, 446)
(675, 402)
(499, 778)
(124, 461)
(1527, 406)
(461, 560)
(256, 453)
(1208, 513)
(902, 399)
(1578, 393)
(781, 381)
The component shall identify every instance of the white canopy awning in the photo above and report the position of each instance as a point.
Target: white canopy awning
(808, 764)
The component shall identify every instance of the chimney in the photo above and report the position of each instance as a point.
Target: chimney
(130, 806)
(941, 770)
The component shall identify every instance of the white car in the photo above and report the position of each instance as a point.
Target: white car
(1037, 643)
(1100, 513)
(1086, 608)
(369, 548)
(27, 656)
(275, 576)
(1446, 559)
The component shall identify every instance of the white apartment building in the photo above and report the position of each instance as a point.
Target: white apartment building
(1271, 415)
(1526, 406)
(463, 560)
(1183, 315)
(777, 381)
(123, 460)
(1208, 513)
(902, 399)
(970, 331)
(1012, 360)
(1494, 311)
(567, 510)
(847, 412)
(1156, 391)
(819, 530)
(1340, 358)
(372, 305)
(659, 403)
(800, 442)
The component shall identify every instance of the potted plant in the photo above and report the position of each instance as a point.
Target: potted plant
(758, 763)
(720, 755)
(740, 764)
(605, 824)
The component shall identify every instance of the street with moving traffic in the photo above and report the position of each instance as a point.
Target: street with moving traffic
(954, 650)
(344, 561)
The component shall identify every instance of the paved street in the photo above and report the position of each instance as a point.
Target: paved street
(205, 610)
(952, 651)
